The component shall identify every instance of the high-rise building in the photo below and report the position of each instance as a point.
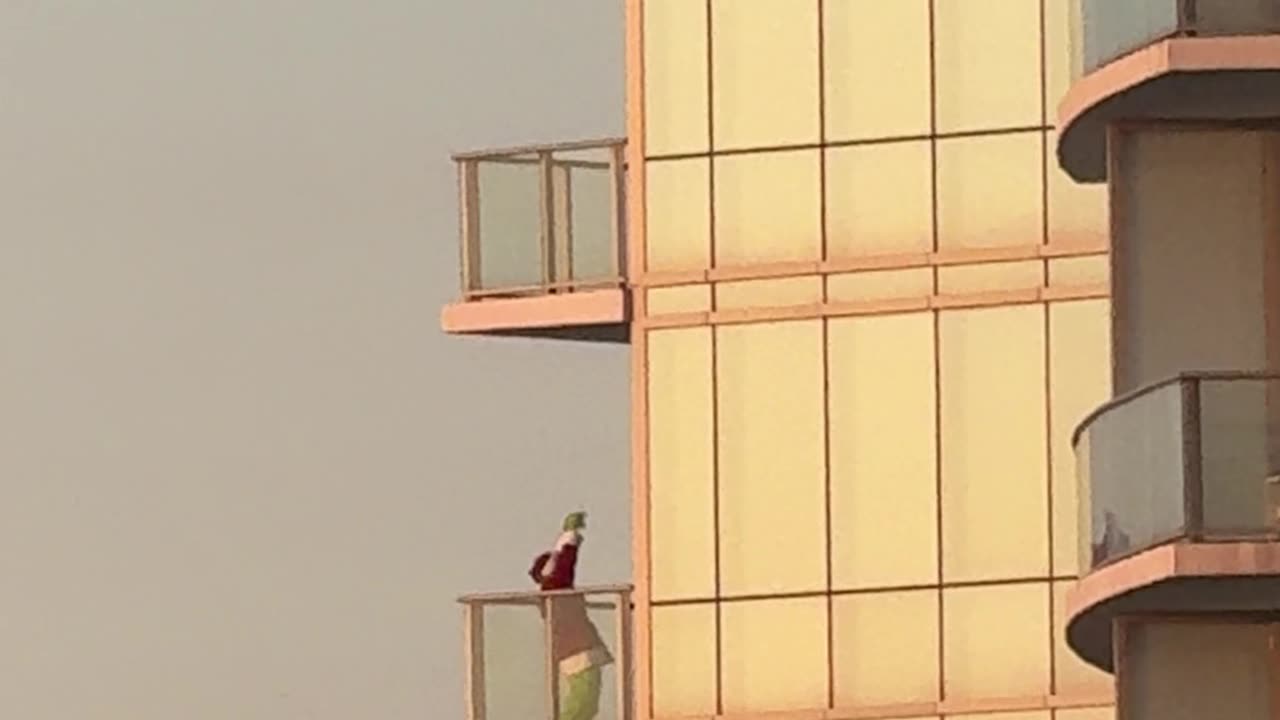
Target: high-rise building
(870, 257)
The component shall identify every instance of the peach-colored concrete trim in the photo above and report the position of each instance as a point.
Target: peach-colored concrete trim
(956, 706)
(1201, 54)
(597, 307)
(1167, 562)
(876, 307)
(635, 261)
(1075, 247)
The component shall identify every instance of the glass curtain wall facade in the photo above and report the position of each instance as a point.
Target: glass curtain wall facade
(869, 310)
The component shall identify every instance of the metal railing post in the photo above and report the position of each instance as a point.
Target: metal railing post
(617, 208)
(547, 210)
(473, 650)
(626, 702)
(553, 669)
(1192, 459)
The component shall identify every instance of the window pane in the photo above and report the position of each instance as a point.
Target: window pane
(877, 74)
(879, 199)
(1058, 56)
(1197, 670)
(675, 76)
(1077, 212)
(886, 648)
(989, 191)
(991, 277)
(1098, 713)
(1077, 271)
(765, 69)
(1071, 675)
(775, 655)
(1080, 381)
(996, 640)
(988, 64)
(772, 479)
(883, 450)
(682, 534)
(768, 208)
(994, 484)
(1018, 715)
(678, 215)
(778, 292)
(684, 660)
(880, 285)
(678, 299)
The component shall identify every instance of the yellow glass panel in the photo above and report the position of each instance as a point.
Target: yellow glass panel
(996, 640)
(1098, 713)
(677, 215)
(765, 72)
(1080, 377)
(772, 479)
(989, 277)
(684, 660)
(883, 450)
(994, 484)
(678, 299)
(1071, 675)
(1077, 271)
(681, 496)
(988, 64)
(879, 199)
(880, 285)
(989, 190)
(768, 208)
(1058, 56)
(777, 292)
(1078, 213)
(774, 655)
(877, 68)
(675, 77)
(886, 645)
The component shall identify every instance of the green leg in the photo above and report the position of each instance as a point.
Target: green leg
(582, 701)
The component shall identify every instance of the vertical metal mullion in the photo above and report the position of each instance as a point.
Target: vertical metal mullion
(562, 225)
(553, 670)
(547, 209)
(474, 653)
(617, 209)
(469, 226)
(1192, 459)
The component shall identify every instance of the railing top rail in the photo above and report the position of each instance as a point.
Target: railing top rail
(1125, 399)
(546, 147)
(535, 595)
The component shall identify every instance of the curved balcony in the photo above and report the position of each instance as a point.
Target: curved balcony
(1176, 60)
(542, 242)
(521, 647)
(1179, 491)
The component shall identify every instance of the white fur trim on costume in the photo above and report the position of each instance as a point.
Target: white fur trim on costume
(595, 657)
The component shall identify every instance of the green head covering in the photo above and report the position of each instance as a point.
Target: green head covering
(575, 521)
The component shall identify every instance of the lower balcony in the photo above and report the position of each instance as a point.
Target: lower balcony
(542, 242)
(543, 656)
(1179, 497)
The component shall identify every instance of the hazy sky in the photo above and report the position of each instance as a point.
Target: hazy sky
(242, 474)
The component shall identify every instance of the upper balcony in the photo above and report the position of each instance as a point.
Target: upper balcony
(542, 238)
(521, 649)
(1165, 60)
(1179, 492)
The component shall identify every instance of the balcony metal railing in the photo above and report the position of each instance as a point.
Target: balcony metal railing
(541, 219)
(1105, 30)
(521, 648)
(1195, 457)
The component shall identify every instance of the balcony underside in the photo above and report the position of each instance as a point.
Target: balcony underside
(590, 316)
(1221, 578)
(1231, 79)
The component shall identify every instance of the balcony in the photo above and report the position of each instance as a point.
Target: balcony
(1179, 504)
(1106, 30)
(542, 238)
(520, 647)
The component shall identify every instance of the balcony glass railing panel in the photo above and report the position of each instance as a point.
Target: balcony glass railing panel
(1134, 475)
(1237, 444)
(1196, 457)
(543, 219)
(529, 656)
